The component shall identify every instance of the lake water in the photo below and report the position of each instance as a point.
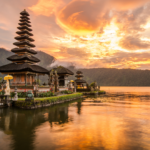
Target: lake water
(95, 123)
(125, 89)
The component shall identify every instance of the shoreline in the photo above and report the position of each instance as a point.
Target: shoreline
(47, 101)
(94, 93)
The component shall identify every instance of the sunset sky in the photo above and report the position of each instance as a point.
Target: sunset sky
(85, 33)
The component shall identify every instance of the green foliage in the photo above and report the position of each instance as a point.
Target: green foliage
(46, 94)
(22, 94)
(45, 100)
(92, 84)
(63, 97)
(12, 94)
(66, 92)
(101, 92)
(2, 92)
(117, 77)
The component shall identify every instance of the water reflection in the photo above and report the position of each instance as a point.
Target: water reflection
(94, 123)
(21, 124)
(79, 104)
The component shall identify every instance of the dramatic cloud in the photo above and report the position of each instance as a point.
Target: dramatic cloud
(84, 16)
(127, 4)
(134, 43)
(46, 7)
(86, 33)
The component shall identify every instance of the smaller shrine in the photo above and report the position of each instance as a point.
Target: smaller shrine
(79, 81)
(61, 77)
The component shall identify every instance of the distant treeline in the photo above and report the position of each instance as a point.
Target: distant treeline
(116, 77)
(103, 76)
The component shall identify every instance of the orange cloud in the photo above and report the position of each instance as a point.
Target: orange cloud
(83, 16)
(88, 16)
(134, 43)
(46, 7)
(127, 4)
(97, 29)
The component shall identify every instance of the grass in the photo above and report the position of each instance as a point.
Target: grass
(38, 101)
(101, 92)
(55, 98)
(94, 92)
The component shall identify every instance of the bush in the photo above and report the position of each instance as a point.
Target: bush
(22, 94)
(2, 92)
(46, 94)
(48, 100)
(12, 94)
(41, 94)
(92, 84)
(63, 97)
(67, 92)
(101, 92)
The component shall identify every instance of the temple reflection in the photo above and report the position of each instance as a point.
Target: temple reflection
(21, 124)
(79, 105)
(88, 124)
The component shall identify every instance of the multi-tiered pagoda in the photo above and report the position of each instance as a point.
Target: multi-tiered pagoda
(79, 81)
(23, 67)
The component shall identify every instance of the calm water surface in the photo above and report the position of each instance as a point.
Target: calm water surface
(95, 123)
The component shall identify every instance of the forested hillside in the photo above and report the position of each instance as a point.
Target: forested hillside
(46, 59)
(116, 77)
(103, 76)
(3, 55)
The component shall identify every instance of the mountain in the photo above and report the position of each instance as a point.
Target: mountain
(4, 54)
(103, 76)
(46, 59)
(116, 77)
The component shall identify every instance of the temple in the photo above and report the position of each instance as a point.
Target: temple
(63, 74)
(79, 81)
(23, 67)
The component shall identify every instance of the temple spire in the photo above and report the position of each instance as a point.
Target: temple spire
(23, 67)
(24, 42)
(79, 81)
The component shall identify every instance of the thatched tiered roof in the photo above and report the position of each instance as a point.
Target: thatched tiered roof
(24, 54)
(23, 50)
(62, 71)
(79, 77)
(24, 57)
(80, 81)
(13, 67)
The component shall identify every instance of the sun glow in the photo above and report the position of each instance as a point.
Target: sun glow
(146, 26)
(100, 45)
